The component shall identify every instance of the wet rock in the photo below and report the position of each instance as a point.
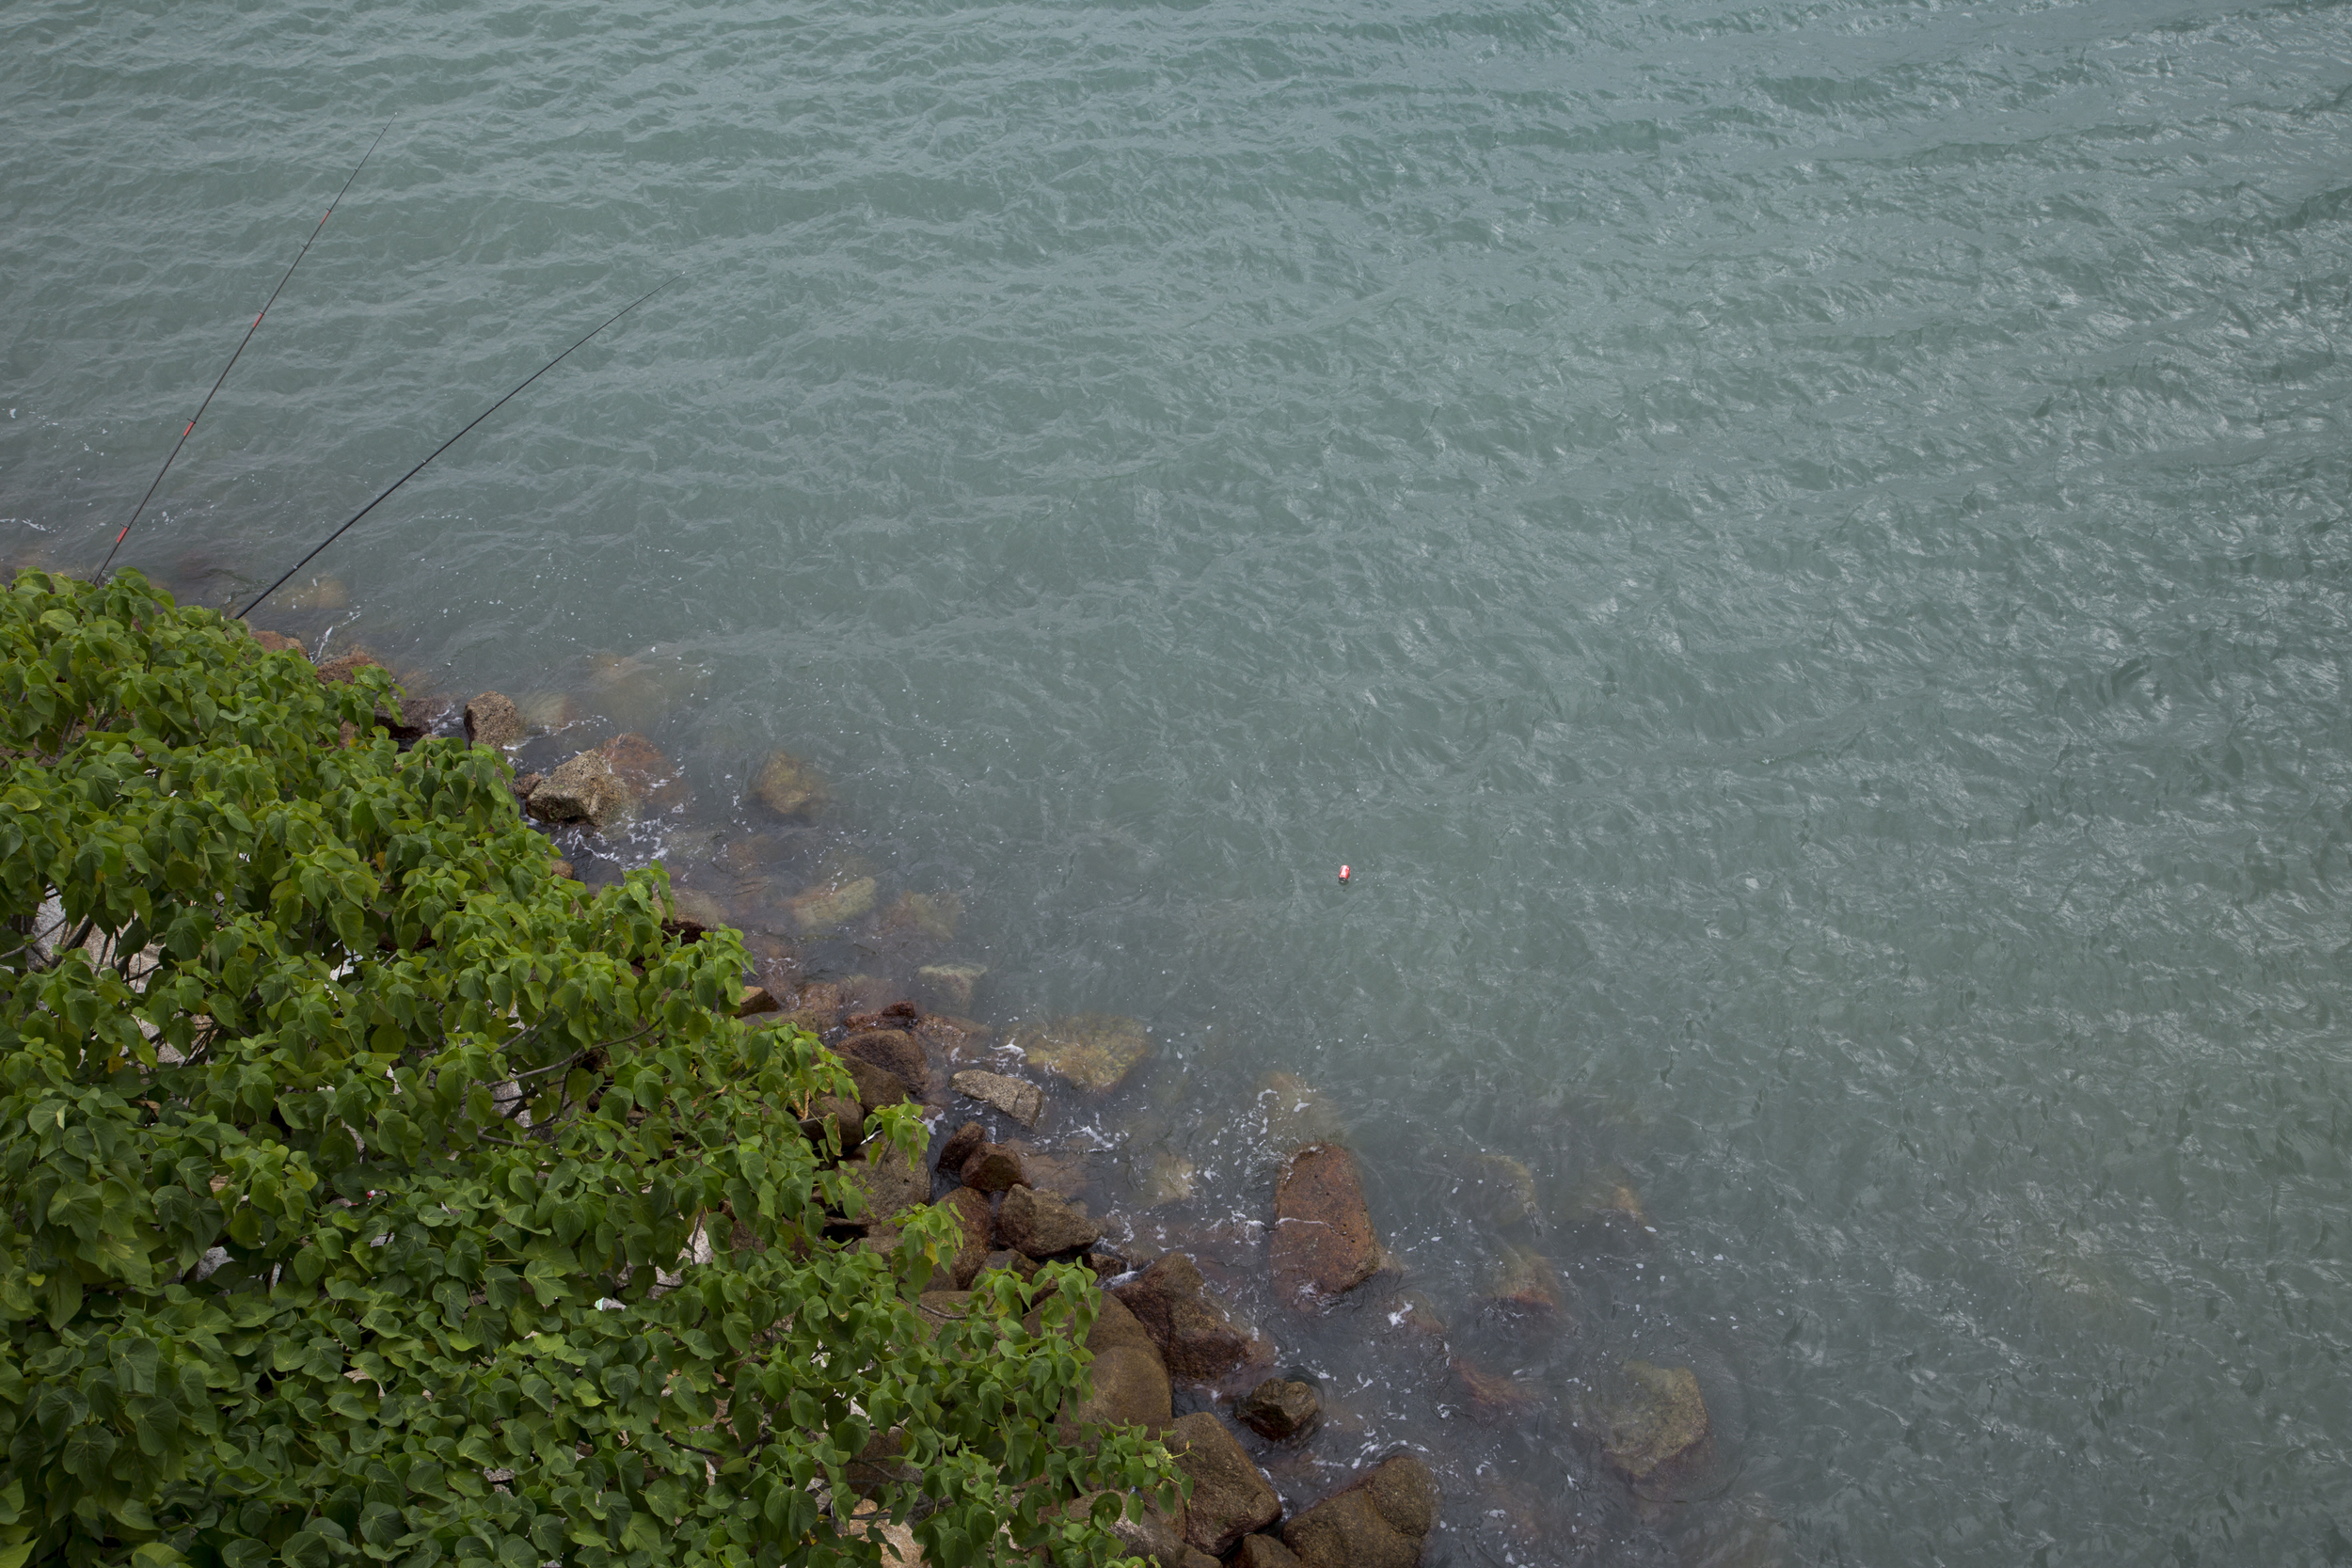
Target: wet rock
(698, 909)
(279, 642)
(1263, 1551)
(1491, 1396)
(1065, 1175)
(970, 1208)
(924, 914)
(1043, 1226)
(1653, 1425)
(1230, 1497)
(752, 1001)
(992, 1168)
(1024, 1102)
(1498, 1189)
(1296, 1115)
(951, 983)
(1415, 1318)
(1130, 1383)
(787, 786)
(1165, 1177)
(895, 1050)
(493, 720)
(1280, 1409)
(1093, 1051)
(1012, 1263)
(831, 905)
(1322, 1245)
(642, 768)
(876, 1086)
(890, 1182)
(901, 1016)
(1105, 1264)
(1379, 1521)
(1524, 1290)
(525, 785)
(1196, 1333)
(1606, 1205)
(609, 785)
(961, 1146)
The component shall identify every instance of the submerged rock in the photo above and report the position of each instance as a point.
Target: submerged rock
(1322, 1245)
(1379, 1521)
(1041, 1226)
(1024, 1102)
(952, 983)
(1498, 1189)
(833, 904)
(1094, 1051)
(493, 720)
(924, 914)
(1491, 1396)
(1607, 1205)
(787, 786)
(1165, 1177)
(1229, 1497)
(1196, 1332)
(1296, 1115)
(1653, 1425)
(699, 909)
(1280, 1409)
(1524, 1290)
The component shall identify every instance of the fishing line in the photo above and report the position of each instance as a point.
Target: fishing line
(233, 358)
(446, 444)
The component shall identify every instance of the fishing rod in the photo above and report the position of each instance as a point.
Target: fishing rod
(451, 442)
(235, 357)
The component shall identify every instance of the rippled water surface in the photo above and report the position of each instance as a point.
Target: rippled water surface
(1792, 545)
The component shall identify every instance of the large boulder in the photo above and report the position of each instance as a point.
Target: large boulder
(876, 1086)
(889, 1181)
(992, 1168)
(1130, 1384)
(1263, 1551)
(1324, 1244)
(970, 1208)
(1230, 1497)
(895, 1051)
(1378, 1521)
(609, 785)
(493, 720)
(1024, 1102)
(1040, 1226)
(787, 786)
(961, 1146)
(1093, 1051)
(1196, 1332)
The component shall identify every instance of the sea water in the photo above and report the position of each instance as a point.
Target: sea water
(1792, 544)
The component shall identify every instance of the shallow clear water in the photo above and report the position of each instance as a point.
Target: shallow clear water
(1793, 546)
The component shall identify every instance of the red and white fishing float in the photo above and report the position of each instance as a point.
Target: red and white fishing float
(1343, 876)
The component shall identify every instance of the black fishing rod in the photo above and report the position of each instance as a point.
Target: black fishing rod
(235, 357)
(451, 442)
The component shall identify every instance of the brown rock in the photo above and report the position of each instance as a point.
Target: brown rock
(876, 1086)
(1280, 1409)
(895, 1050)
(1263, 1551)
(1012, 1263)
(844, 1118)
(524, 786)
(787, 786)
(279, 642)
(338, 671)
(493, 720)
(1130, 1383)
(1033, 1223)
(961, 1146)
(1653, 1425)
(1230, 1497)
(959, 1039)
(990, 1168)
(1093, 1051)
(1024, 1102)
(1379, 1521)
(970, 1208)
(752, 1001)
(1196, 1332)
(898, 1015)
(642, 768)
(1322, 1245)
(559, 867)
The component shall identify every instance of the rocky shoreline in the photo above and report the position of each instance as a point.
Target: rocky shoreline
(1241, 1338)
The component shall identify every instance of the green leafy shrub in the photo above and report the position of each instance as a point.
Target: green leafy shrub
(368, 1193)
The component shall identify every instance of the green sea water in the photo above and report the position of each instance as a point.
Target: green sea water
(1793, 548)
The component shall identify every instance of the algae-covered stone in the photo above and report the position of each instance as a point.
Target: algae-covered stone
(1652, 1423)
(1024, 1102)
(1607, 1203)
(951, 983)
(833, 904)
(1094, 1051)
(787, 786)
(924, 914)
